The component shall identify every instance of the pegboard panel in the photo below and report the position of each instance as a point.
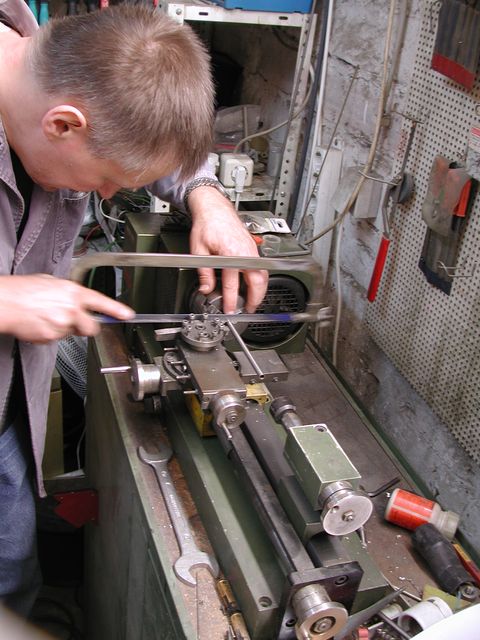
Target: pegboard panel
(434, 338)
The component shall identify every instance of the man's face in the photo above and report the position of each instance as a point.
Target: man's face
(74, 167)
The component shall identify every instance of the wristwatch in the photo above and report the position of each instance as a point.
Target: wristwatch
(204, 181)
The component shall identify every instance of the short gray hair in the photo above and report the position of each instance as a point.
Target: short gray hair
(143, 79)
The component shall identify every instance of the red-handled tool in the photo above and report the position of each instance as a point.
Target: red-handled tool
(378, 267)
(399, 192)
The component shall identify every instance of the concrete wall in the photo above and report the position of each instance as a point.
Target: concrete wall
(447, 471)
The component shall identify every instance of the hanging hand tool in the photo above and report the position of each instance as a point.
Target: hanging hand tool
(399, 193)
(444, 563)
(449, 197)
(44, 13)
(190, 555)
(381, 258)
(72, 8)
(457, 44)
(32, 4)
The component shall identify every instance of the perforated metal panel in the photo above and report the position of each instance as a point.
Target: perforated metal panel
(433, 338)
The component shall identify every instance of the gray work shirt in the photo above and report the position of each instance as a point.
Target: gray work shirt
(46, 246)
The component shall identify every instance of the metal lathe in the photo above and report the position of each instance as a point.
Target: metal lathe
(275, 502)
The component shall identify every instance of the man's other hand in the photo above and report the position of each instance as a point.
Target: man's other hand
(217, 230)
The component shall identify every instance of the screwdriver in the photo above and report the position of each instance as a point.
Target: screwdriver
(32, 4)
(72, 8)
(444, 562)
(44, 12)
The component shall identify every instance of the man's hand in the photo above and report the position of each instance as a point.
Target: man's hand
(217, 230)
(40, 308)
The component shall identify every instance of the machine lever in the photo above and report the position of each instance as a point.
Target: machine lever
(190, 555)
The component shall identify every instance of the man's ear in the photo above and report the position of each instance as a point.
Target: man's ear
(63, 121)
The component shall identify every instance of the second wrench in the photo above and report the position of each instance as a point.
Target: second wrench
(190, 555)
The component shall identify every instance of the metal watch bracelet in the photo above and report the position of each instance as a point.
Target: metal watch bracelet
(205, 181)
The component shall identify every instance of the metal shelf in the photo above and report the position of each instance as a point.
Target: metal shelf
(259, 190)
(200, 12)
(210, 13)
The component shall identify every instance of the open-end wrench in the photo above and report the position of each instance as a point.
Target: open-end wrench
(190, 555)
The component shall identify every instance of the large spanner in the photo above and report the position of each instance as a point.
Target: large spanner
(190, 555)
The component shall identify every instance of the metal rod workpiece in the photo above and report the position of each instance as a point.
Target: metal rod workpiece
(245, 350)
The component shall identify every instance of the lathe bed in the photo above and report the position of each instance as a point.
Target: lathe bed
(131, 588)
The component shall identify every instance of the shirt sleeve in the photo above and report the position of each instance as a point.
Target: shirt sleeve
(172, 189)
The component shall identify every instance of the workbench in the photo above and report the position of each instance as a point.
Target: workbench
(132, 592)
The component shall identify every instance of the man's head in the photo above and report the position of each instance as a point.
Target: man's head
(132, 81)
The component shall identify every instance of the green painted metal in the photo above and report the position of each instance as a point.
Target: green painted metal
(317, 459)
(243, 549)
(168, 290)
(131, 590)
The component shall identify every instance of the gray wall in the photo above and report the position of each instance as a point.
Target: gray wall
(428, 445)
(358, 34)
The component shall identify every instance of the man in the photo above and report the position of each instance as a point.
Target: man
(115, 98)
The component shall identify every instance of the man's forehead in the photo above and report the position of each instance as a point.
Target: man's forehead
(136, 179)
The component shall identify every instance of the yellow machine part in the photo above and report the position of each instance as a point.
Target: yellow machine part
(203, 419)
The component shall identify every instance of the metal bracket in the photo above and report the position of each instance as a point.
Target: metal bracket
(451, 272)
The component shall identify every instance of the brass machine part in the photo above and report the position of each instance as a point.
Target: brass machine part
(201, 419)
(238, 629)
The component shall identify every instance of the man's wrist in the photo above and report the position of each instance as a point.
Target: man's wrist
(205, 181)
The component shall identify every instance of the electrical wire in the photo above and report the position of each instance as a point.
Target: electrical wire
(338, 281)
(283, 42)
(264, 132)
(105, 215)
(378, 126)
(78, 447)
(366, 170)
(327, 151)
(83, 247)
